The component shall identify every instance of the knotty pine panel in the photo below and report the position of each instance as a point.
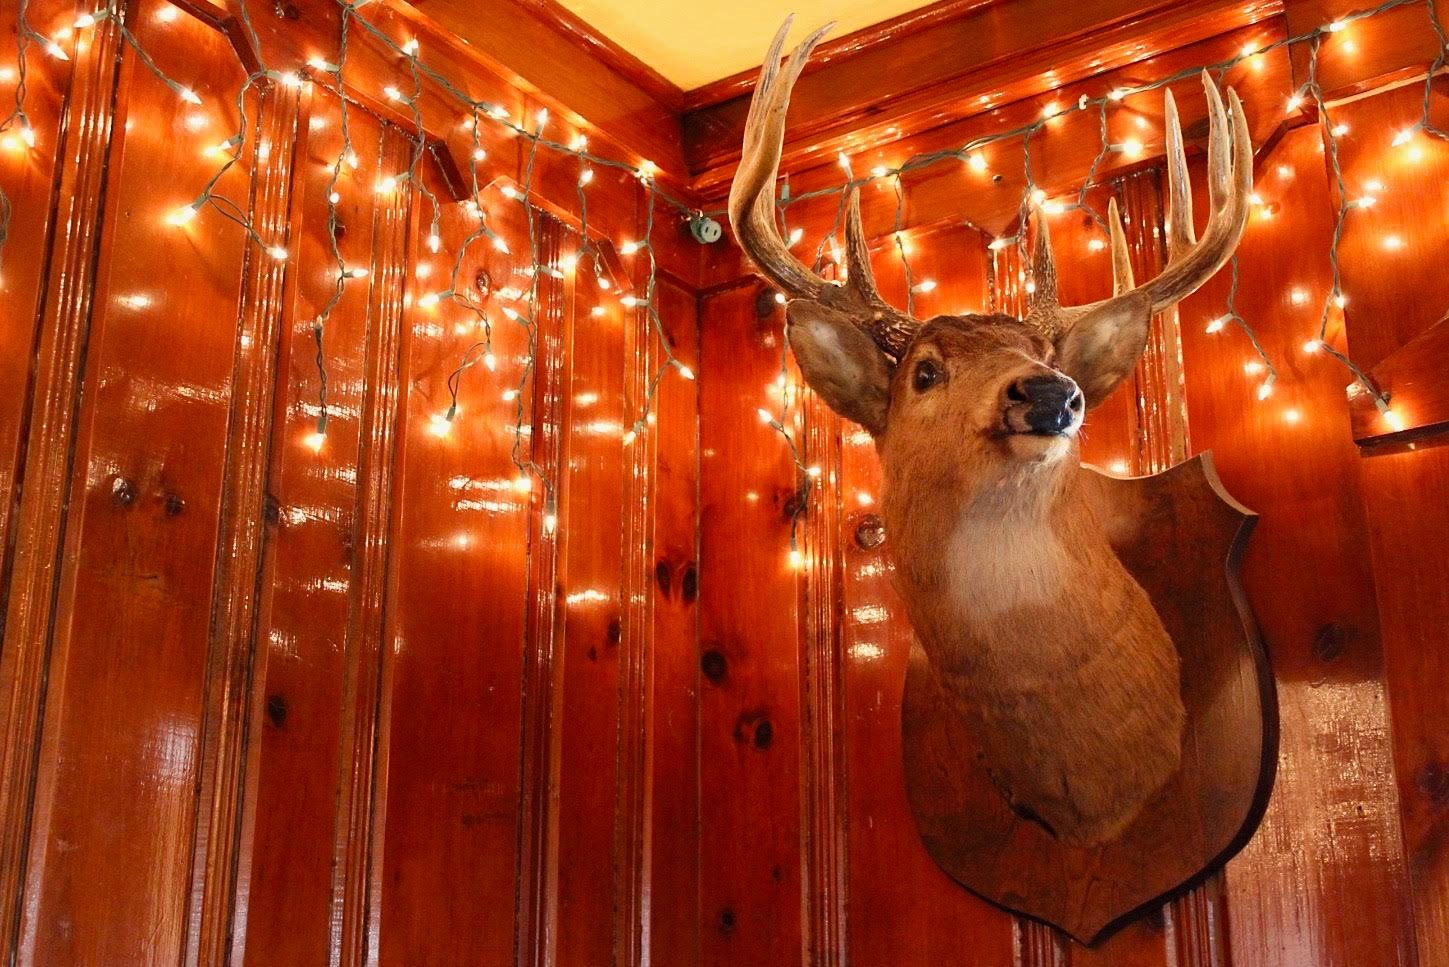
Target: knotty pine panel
(320, 695)
(1333, 817)
(127, 685)
(284, 897)
(749, 706)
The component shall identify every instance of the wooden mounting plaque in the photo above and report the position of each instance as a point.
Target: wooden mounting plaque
(1181, 536)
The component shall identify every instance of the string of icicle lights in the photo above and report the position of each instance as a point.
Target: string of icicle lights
(520, 306)
(1407, 139)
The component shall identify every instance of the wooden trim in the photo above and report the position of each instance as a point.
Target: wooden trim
(850, 45)
(543, 666)
(229, 680)
(35, 553)
(618, 60)
(1413, 377)
(363, 786)
(985, 57)
(824, 818)
(544, 57)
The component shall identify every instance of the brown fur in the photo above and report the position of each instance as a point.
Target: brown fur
(1058, 659)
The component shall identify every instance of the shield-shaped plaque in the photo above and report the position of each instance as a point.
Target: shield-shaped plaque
(1181, 537)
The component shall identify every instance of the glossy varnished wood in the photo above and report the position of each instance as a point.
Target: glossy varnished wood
(1333, 818)
(724, 785)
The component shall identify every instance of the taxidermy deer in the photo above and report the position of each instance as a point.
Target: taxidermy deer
(1049, 648)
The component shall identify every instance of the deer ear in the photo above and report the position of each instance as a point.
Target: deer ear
(841, 362)
(1105, 344)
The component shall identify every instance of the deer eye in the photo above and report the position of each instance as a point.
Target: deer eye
(926, 374)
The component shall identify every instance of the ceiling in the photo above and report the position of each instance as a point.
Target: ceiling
(693, 43)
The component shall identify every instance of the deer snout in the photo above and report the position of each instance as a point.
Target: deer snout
(1045, 404)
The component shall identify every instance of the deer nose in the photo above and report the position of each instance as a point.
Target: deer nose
(1052, 402)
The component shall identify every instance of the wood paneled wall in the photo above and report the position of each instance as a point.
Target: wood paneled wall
(1342, 569)
(264, 704)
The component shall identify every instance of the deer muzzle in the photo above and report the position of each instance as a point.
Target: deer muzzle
(1045, 405)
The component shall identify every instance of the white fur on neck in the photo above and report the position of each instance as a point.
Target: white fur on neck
(998, 560)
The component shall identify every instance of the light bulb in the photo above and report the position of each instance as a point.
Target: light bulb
(628, 248)
(1312, 346)
(586, 176)
(278, 252)
(685, 371)
(314, 441)
(976, 161)
(1217, 324)
(189, 96)
(183, 215)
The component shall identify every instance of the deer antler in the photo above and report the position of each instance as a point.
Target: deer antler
(752, 211)
(1191, 261)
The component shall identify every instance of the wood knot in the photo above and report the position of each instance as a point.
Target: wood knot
(713, 665)
(1433, 781)
(174, 505)
(726, 921)
(765, 303)
(689, 586)
(753, 726)
(1332, 640)
(663, 576)
(277, 710)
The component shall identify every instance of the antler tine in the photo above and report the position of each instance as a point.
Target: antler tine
(1230, 186)
(1180, 233)
(1122, 280)
(890, 328)
(752, 201)
(1046, 311)
(1043, 267)
(1192, 261)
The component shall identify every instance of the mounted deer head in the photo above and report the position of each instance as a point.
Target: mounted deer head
(1049, 647)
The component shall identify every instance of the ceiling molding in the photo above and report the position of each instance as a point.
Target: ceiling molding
(961, 62)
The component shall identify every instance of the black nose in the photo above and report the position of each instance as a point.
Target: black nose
(1053, 402)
